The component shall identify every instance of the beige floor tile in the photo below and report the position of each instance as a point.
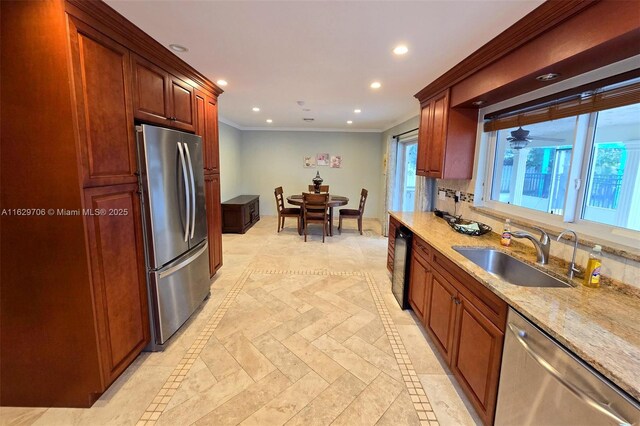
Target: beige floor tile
(317, 360)
(292, 326)
(250, 359)
(218, 360)
(20, 416)
(421, 353)
(198, 380)
(372, 403)
(377, 357)
(202, 404)
(289, 402)
(351, 325)
(289, 364)
(449, 404)
(401, 412)
(247, 402)
(323, 325)
(353, 363)
(330, 403)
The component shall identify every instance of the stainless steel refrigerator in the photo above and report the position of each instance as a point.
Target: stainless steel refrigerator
(171, 182)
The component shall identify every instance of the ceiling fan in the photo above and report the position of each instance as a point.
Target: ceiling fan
(520, 138)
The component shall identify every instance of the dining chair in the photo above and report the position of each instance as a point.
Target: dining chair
(315, 209)
(283, 211)
(354, 213)
(323, 188)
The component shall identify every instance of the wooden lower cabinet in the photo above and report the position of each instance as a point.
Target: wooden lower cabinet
(464, 321)
(118, 274)
(214, 221)
(477, 352)
(441, 320)
(420, 286)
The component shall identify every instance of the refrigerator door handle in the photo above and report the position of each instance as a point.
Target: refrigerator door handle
(184, 263)
(186, 193)
(193, 192)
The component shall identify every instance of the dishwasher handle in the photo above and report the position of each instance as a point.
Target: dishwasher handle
(605, 409)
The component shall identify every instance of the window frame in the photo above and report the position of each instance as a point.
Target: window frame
(574, 199)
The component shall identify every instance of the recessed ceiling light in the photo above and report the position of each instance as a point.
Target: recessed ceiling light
(178, 48)
(547, 77)
(221, 82)
(478, 103)
(269, 120)
(349, 122)
(376, 85)
(401, 49)
(255, 109)
(306, 109)
(357, 111)
(308, 119)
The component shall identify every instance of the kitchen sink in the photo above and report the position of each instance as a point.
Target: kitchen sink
(509, 268)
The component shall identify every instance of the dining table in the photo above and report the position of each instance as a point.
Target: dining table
(334, 201)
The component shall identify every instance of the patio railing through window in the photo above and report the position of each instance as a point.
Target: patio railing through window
(605, 188)
(605, 191)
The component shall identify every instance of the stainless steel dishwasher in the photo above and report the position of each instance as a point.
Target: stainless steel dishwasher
(541, 383)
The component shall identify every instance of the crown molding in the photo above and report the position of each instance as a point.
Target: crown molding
(546, 16)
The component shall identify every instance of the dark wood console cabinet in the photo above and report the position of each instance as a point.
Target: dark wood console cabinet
(240, 214)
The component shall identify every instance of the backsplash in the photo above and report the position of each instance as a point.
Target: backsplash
(616, 267)
(450, 193)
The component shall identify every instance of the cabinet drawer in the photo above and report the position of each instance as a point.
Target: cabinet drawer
(484, 299)
(422, 249)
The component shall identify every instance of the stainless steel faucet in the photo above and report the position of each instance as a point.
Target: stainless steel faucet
(542, 246)
(572, 266)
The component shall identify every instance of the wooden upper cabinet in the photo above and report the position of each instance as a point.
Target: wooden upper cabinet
(119, 277)
(182, 104)
(446, 140)
(161, 98)
(476, 358)
(441, 320)
(102, 84)
(150, 91)
(214, 221)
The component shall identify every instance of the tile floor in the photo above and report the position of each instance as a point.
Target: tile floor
(293, 333)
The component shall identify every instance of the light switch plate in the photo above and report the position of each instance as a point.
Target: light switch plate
(441, 195)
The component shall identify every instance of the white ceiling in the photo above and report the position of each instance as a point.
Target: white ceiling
(325, 53)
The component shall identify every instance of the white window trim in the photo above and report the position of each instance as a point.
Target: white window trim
(485, 152)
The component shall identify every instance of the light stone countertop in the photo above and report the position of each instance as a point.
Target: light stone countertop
(601, 326)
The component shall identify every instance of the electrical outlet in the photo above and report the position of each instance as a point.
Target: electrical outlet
(458, 194)
(442, 195)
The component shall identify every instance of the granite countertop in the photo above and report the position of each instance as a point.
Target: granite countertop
(601, 326)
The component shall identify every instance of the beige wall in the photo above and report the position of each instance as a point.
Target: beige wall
(274, 158)
(230, 161)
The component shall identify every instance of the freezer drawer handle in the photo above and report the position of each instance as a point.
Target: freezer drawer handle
(605, 409)
(193, 192)
(183, 263)
(186, 193)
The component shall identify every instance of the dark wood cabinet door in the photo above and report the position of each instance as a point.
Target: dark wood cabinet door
(118, 274)
(477, 356)
(182, 103)
(214, 221)
(441, 319)
(150, 91)
(420, 281)
(438, 137)
(212, 158)
(424, 133)
(104, 110)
